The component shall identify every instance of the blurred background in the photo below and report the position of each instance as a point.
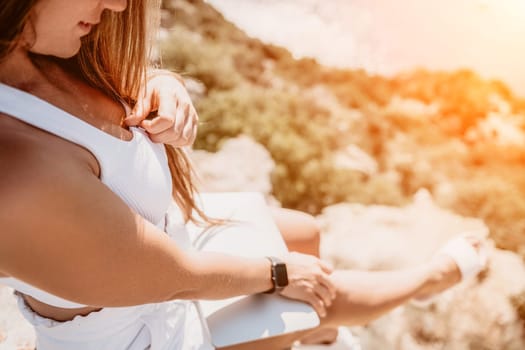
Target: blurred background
(388, 37)
(427, 115)
(398, 124)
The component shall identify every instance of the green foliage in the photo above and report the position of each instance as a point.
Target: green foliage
(290, 127)
(463, 96)
(357, 89)
(499, 202)
(203, 59)
(518, 302)
(262, 91)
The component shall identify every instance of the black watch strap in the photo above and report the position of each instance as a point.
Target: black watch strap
(279, 275)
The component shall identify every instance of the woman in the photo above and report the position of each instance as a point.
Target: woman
(84, 199)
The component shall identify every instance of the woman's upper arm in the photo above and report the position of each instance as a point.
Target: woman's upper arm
(65, 232)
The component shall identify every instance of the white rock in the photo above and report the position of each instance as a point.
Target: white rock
(240, 165)
(475, 314)
(377, 237)
(354, 158)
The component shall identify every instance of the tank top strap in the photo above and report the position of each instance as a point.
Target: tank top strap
(43, 115)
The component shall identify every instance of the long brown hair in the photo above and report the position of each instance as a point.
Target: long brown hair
(13, 17)
(114, 58)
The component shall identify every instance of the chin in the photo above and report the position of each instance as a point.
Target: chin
(66, 51)
(66, 55)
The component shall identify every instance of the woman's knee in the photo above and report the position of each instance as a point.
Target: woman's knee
(300, 230)
(311, 232)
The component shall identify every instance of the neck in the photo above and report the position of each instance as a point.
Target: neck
(57, 82)
(27, 72)
(17, 69)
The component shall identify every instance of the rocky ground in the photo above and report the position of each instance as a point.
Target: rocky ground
(477, 314)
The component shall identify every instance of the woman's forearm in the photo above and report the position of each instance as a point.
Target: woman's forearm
(363, 296)
(219, 276)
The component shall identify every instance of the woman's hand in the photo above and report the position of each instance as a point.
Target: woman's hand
(175, 122)
(308, 281)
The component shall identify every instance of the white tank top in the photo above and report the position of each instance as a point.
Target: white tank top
(136, 170)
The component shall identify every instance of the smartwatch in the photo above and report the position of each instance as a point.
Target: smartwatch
(279, 275)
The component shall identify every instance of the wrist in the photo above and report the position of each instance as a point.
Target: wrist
(430, 274)
(267, 268)
(279, 275)
(156, 72)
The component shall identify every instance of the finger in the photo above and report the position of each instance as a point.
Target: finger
(325, 281)
(194, 133)
(324, 294)
(326, 266)
(188, 129)
(158, 124)
(140, 111)
(169, 106)
(189, 133)
(316, 303)
(182, 118)
(168, 137)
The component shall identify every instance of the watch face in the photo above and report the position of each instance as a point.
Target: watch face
(281, 275)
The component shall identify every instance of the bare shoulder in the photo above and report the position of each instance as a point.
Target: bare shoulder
(19, 156)
(55, 209)
(28, 154)
(36, 167)
(49, 196)
(25, 148)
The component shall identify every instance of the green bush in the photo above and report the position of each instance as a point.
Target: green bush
(499, 202)
(205, 60)
(262, 91)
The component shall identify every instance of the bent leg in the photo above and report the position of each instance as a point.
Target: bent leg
(363, 296)
(299, 230)
(302, 234)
